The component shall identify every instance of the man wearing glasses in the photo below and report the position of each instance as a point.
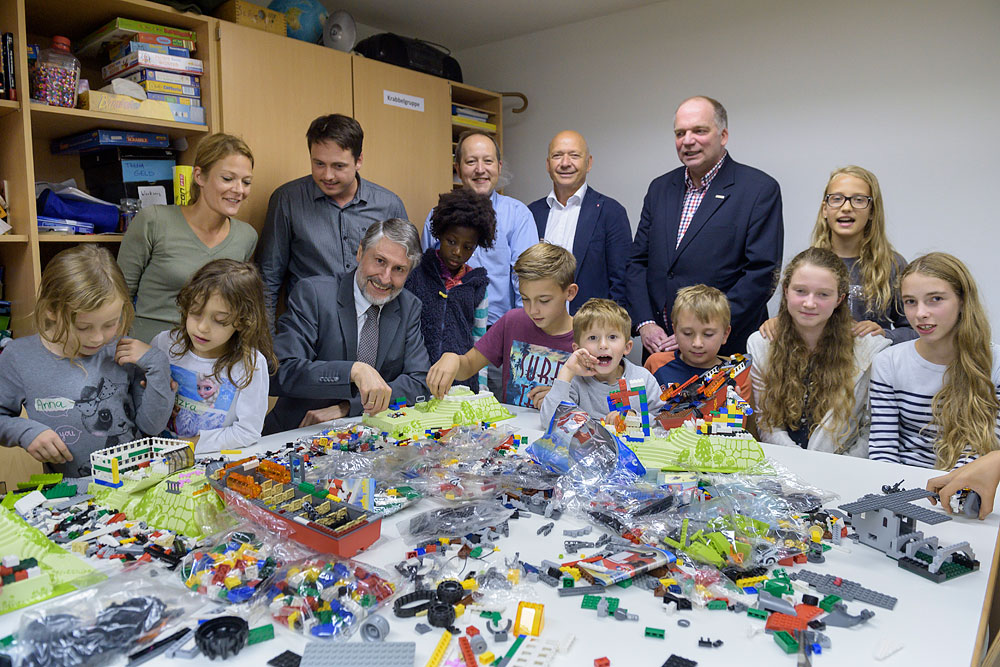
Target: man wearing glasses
(713, 221)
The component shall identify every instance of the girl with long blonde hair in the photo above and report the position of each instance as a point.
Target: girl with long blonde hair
(851, 222)
(810, 382)
(934, 400)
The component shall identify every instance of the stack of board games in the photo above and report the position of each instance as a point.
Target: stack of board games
(157, 58)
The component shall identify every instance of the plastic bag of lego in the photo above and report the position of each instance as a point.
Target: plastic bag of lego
(580, 447)
(328, 597)
(351, 478)
(454, 522)
(95, 625)
(236, 566)
(717, 532)
(791, 493)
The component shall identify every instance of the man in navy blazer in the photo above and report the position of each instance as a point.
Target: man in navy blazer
(321, 338)
(712, 221)
(579, 218)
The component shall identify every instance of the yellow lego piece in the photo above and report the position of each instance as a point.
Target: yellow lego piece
(529, 619)
(442, 647)
(459, 610)
(750, 581)
(445, 540)
(470, 584)
(231, 582)
(668, 582)
(231, 451)
(487, 658)
(571, 571)
(514, 576)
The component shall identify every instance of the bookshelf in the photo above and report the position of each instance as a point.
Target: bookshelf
(27, 128)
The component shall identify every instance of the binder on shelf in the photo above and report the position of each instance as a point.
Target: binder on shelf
(475, 114)
(477, 124)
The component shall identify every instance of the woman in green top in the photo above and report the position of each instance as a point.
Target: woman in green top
(165, 245)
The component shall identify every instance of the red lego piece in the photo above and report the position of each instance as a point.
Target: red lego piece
(837, 581)
(472, 631)
(801, 558)
(467, 655)
(807, 612)
(778, 621)
(602, 662)
(787, 562)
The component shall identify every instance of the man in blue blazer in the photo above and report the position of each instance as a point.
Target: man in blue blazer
(712, 221)
(579, 218)
(352, 342)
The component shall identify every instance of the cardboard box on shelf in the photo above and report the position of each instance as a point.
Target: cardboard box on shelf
(252, 15)
(95, 100)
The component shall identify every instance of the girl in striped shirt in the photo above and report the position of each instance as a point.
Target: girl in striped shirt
(934, 400)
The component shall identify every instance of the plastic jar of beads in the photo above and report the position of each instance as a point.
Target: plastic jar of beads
(55, 75)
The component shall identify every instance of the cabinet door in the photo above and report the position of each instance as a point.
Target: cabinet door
(271, 88)
(407, 149)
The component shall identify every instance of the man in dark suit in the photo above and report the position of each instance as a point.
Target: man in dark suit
(579, 218)
(712, 221)
(351, 343)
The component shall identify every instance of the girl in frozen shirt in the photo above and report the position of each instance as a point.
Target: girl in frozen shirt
(219, 357)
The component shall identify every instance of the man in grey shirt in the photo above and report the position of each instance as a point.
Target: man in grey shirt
(315, 223)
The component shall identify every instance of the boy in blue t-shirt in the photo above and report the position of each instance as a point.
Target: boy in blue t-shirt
(700, 319)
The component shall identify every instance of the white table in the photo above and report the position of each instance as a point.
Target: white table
(938, 624)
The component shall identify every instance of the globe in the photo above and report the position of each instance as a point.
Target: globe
(305, 18)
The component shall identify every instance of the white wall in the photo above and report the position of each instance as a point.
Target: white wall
(906, 88)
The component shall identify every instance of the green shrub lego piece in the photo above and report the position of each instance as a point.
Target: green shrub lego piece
(786, 642)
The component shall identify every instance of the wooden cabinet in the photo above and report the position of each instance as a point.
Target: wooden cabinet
(272, 88)
(405, 115)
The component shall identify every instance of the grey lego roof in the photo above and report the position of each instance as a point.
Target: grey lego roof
(843, 588)
(897, 503)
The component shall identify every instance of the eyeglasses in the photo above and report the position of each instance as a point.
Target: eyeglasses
(857, 201)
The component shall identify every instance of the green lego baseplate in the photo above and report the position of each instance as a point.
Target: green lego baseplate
(195, 510)
(460, 407)
(684, 449)
(61, 572)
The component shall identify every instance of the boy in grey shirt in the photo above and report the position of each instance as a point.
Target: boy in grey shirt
(600, 342)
